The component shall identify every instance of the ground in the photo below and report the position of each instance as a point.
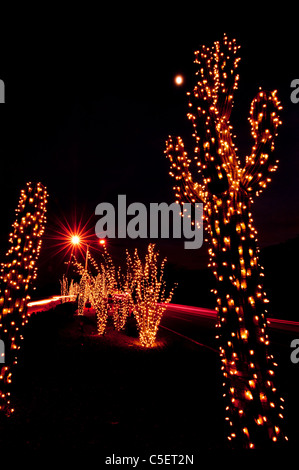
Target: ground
(76, 390)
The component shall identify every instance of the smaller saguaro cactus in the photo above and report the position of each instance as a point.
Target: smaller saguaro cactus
(17, 275)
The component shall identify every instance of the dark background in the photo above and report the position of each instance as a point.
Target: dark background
(90, 101)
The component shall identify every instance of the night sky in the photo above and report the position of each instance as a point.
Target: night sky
(89, 107)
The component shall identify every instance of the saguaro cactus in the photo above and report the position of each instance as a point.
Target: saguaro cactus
(17, 274)
(253, 407)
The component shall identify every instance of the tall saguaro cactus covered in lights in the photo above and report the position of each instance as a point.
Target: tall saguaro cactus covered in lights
(17, 274)
(226, 188)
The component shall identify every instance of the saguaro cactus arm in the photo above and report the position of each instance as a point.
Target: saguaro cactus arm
(264, 120)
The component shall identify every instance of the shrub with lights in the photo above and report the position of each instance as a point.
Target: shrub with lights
(98, 298)
(64, 288)
(68, 290)
(83, 287)
(17, 275)
(122, 300)
(83, 292)
(150, 298)
(254, 410)
(73, 289)
(115, 290)
(94, 289)
(140, 290)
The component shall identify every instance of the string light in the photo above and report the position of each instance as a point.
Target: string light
(17, 275)
(227, 190)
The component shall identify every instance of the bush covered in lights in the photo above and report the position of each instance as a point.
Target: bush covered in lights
(68, 290)
(98, 298)
(140, 290)
(149, 289)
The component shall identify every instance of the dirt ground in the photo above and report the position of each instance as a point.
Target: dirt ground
(75, 390)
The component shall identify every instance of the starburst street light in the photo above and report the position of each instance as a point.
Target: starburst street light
(75, 240)
(69, 236)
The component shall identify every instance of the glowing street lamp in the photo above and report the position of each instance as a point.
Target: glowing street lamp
(75, 240)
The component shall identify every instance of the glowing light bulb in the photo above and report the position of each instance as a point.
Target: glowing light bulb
(75, 240)
(178, 80)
